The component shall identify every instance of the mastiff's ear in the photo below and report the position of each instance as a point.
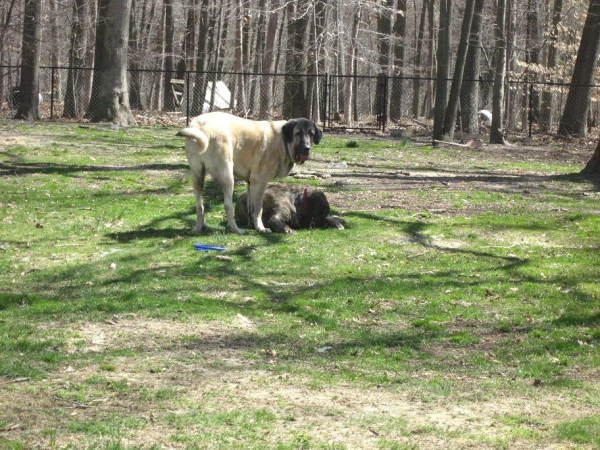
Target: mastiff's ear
(288, 130)
(318, 134)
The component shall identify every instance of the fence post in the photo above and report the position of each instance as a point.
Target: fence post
(530, 114)
(52, 94)
(325, 99)
(382, 88)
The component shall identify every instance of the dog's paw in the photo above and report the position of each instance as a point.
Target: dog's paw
(235, 230)
(335, 222)
(261, 228)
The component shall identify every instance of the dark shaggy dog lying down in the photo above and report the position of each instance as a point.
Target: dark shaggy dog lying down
(288, 207)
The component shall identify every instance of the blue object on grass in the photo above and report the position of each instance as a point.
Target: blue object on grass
(205, 248)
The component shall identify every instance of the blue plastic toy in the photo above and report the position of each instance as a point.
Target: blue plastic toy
(205, 248)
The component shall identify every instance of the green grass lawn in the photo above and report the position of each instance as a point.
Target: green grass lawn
(459, 308)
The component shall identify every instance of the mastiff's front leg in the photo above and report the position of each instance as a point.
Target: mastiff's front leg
(256, 193)
(278, 224)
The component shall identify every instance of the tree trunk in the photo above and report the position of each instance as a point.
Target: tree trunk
(400, 37)
(101, 24)
(237, 88)
(547, 96)
(113, 95)
(266, 81)
(531, 97)
(294, 99)
(146, 22)
(74, 105)
(443, 67)
(259, 46)
(339, 61)
(222, 37)
(204, 31)
(189, 40)
(384, 30)
(321, 35)
(593, 165)
(315, 58)
(244, 79)
(169, 61)
(56, 49)
(139, 43)
(418, 71)
(429, 96)
(574, 118)
(469, 94)
(135, 98)
(348, 79)
(29, 98)
(510, 37)
(496, 131)
(461, 58)
(4, 29)
(311, 69)
(89, 59)
(279, 47)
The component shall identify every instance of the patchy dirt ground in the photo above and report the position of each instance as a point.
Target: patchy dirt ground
(374, 185)
(348, 414)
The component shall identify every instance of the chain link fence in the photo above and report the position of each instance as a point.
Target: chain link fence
(338, 102)
(530, 107)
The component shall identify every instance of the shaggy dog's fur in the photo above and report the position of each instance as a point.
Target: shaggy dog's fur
(290, 207)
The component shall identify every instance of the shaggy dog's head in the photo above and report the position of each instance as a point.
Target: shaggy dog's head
(314, 209)
(302, 133)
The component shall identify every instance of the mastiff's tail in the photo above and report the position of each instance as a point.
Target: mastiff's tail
(196, 134)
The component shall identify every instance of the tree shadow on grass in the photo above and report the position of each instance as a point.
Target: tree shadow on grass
(415, 231)
(154, 229)
(569, 319)
(407, 179)
(21, 169)
(340, 337)
(579, 177)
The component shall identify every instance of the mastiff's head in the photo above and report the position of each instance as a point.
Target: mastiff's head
(301, 134)
(313, 210)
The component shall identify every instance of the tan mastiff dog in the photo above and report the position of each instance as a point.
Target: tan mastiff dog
(229, 147)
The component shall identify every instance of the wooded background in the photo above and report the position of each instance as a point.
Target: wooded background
(435, 53)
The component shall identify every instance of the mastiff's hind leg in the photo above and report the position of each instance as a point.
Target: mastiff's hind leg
(198, 176)
(227, 183)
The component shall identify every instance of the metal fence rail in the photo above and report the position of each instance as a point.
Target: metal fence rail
(338, 102)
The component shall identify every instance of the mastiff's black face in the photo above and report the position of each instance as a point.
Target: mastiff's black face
(313, 210)
(301, 134)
